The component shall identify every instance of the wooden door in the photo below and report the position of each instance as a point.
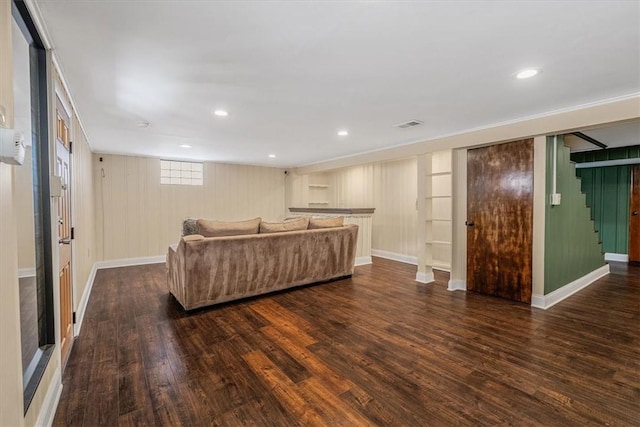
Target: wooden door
(63, 169)
(500, 220)
(634, 216)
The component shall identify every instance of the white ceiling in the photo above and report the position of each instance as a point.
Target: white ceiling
(291, 74)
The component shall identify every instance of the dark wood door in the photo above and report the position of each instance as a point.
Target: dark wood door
(500, 220)
(634, 216)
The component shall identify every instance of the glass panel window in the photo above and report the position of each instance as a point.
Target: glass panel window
(181, 173)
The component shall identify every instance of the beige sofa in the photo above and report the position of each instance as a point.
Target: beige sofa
(210, 270)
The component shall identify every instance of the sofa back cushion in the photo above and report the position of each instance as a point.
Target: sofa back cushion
(289, 225)
(326, 222)
(190, 226)
(221, 228)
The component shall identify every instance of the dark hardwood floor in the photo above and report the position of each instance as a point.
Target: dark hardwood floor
(376, 349)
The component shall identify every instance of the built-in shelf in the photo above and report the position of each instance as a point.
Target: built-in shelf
(436, 210)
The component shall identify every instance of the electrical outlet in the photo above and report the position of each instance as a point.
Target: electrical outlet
(555, 199)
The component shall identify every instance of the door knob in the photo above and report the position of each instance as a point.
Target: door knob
(634, 213)
(66, 241)
(469, 223)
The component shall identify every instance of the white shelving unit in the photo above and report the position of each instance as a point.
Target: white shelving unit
(435, 213)
(318, 193)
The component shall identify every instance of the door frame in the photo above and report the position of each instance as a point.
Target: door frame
(635, 177)
(60, 97)
(46, 253)
(61, 94)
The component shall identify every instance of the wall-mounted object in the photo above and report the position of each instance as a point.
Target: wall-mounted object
(12, 150)
(56, 186)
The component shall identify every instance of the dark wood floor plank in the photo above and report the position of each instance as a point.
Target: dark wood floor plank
(375, 349)
(282, 386)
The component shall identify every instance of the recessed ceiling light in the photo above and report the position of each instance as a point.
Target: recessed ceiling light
(221, 113)
(525, 74)
(184, 146)
(143, 124)
(343, 133)
(272, 156)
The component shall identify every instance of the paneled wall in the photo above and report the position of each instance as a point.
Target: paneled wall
(139, 217)
(396, 217)
(390, 187)
(607, 192)
(571, 245)
(83, 209)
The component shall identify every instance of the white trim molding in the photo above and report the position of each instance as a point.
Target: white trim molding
(608, 256)
(51, 400)
(126, 262)
(546, 301)
(407, 259)
(424, 277)
(603, 163)
(82, 306)
(457, 285)
(363, 260)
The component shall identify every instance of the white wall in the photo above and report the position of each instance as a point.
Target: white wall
(83, 212)
(139, 217)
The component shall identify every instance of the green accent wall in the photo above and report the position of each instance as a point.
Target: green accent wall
(571, 246)
(607, 190)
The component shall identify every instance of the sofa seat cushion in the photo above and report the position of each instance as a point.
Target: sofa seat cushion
(288, 225)
(315, 223)
(222, 229)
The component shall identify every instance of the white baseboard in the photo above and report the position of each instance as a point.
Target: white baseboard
(363, 260)
(126, 262)
(546, 301)
(407, 259)
(26, 272)
(424, 277)
(616, 257)
(51, 399)
(82, 306)
(457, 285)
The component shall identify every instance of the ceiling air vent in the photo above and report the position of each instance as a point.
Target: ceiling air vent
(409, 124)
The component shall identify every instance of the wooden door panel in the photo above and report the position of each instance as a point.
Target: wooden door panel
(500, 205)
(63, 169)
(634, 216)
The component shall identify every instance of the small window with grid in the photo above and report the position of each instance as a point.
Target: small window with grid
(180, 173)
